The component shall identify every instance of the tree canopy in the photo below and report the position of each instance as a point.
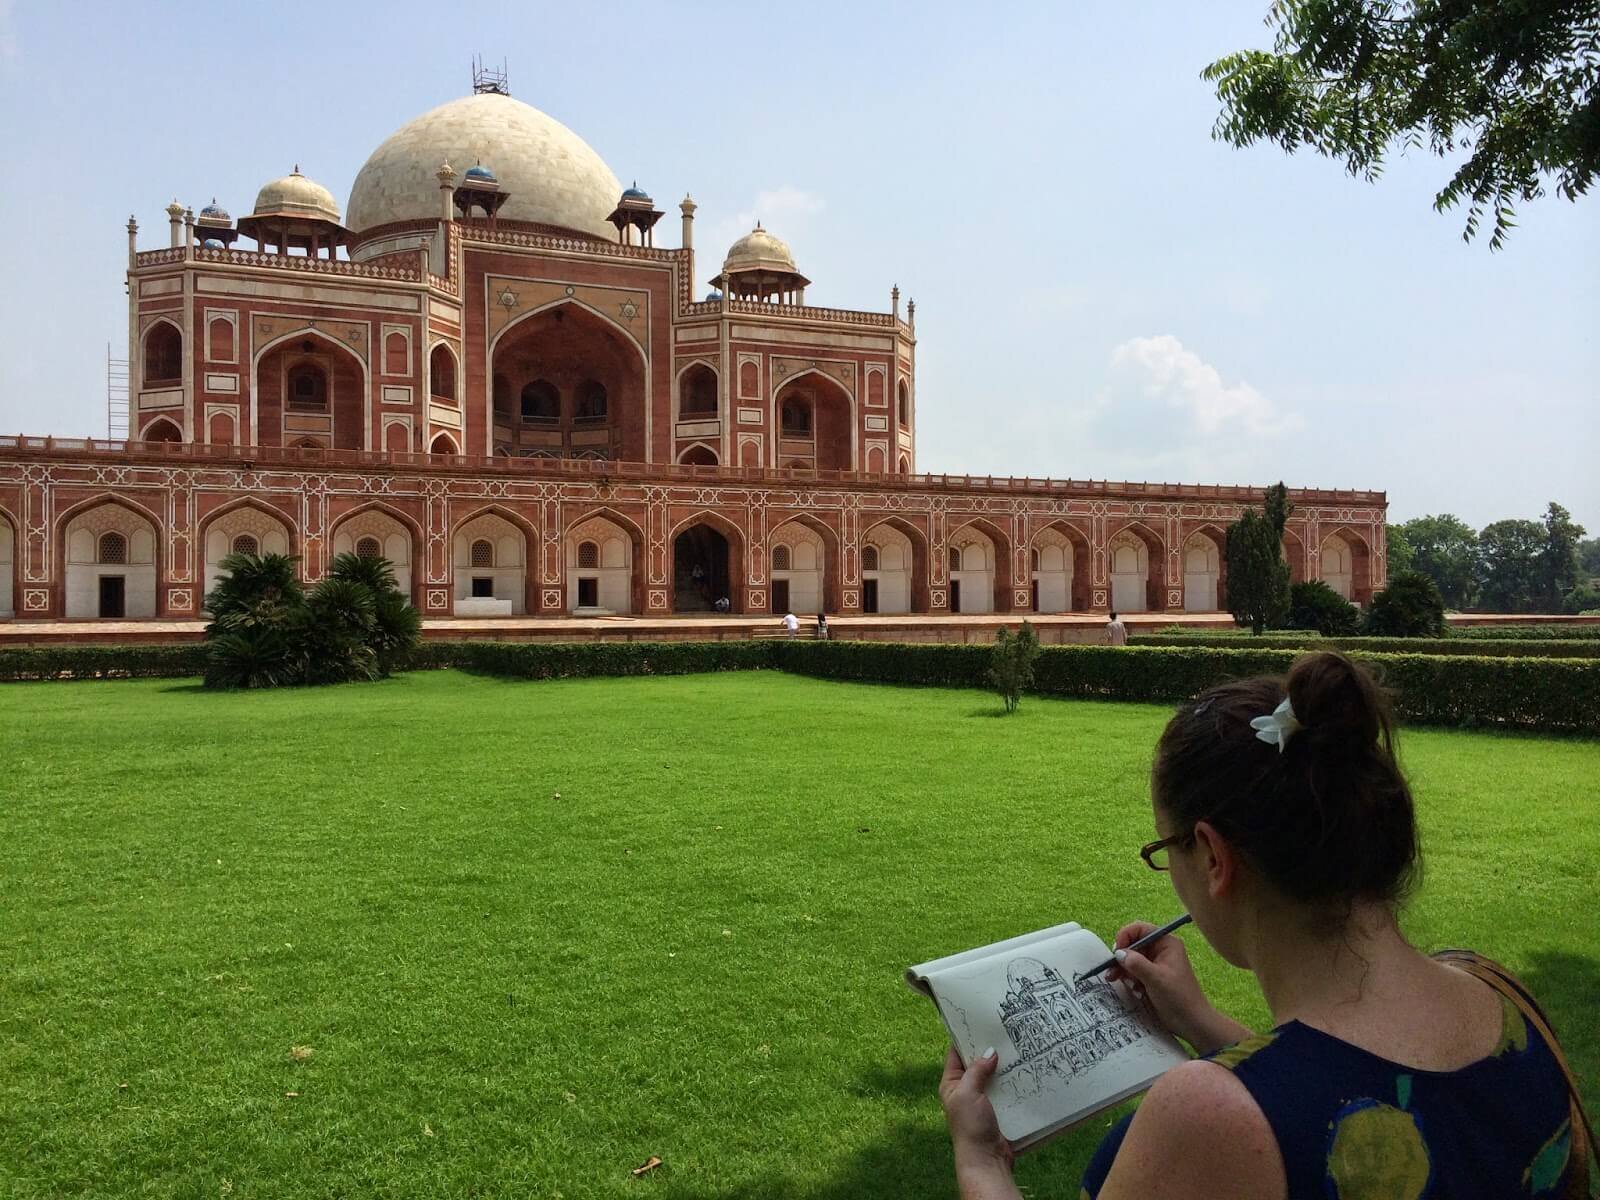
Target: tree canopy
(1445, 549)
(1514, 85)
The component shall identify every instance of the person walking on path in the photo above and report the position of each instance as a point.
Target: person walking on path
(791, 623)
(822, 627)
(1116, 631)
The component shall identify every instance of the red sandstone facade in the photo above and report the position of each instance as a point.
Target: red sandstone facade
(527, 417)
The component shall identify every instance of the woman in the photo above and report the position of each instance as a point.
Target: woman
(1289, 834)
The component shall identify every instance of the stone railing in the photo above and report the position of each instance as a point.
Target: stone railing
(803, 312)
(578, 245)
(158, 258)
(279, 262)
(175, 453)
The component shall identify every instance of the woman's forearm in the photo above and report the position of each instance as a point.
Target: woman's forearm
(985, 1179)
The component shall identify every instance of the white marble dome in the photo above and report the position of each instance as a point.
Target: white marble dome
(295, 195)
(550, 174)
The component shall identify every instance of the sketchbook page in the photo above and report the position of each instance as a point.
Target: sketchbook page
(1067, 1047)
(919, 975)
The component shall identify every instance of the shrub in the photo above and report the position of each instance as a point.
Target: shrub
(575, 660)
(70, 661)
(1484, 647)
(1011, 664)
(1525, 633)
(1584, 598)
(1315, 605)
(1409, 607)
(1555, 695)
(266, 631)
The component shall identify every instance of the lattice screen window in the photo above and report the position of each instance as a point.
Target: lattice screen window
(483, 553)
(113, 548)
(246, 544)
(368, 547)
(588, 555)
(780, 558)
(869, 558)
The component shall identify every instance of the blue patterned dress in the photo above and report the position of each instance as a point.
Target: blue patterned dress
(1353, 1126)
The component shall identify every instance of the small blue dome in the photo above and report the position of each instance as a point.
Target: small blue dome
(212, 244)
(215, 210)
(480, 172)
(634, 193)
(713, 294)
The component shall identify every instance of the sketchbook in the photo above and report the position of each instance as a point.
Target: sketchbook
(1068, 1047)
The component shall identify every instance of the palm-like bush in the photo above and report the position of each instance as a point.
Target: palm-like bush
(258, 591)
(267, 631)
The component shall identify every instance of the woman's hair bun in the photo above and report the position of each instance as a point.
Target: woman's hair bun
(1337, 701)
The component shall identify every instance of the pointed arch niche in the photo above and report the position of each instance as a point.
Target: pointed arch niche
(1058, 561)
(308, 386)
(374, 533)
(8, 568)
(1134, 558)
(580, 382)
(1205, 570)
(236, 530)
(894, 568)
(602, 558)
(979, 580)
(110, 563)
(803, 557)
(490, 555)
(816, 424)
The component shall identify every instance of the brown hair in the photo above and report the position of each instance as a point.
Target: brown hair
(1329, 820)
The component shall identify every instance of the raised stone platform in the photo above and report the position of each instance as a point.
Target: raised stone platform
(1080, 628)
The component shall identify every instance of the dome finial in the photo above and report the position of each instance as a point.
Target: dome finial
(296, 170)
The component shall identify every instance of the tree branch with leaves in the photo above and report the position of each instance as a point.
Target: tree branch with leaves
(1514, 85)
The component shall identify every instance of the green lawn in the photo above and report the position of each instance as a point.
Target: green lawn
(693, 951)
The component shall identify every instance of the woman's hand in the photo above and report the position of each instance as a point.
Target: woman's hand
(983, 1157)
(1161, 972)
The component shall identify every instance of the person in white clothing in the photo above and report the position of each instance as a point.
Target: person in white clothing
(1116, 632)
(791, 623)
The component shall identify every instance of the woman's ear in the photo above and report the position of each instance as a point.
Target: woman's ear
(1218, 859)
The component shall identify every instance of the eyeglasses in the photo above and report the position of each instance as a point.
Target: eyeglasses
(1155, 854)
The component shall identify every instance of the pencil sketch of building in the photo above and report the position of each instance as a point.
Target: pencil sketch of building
(1063, 1026)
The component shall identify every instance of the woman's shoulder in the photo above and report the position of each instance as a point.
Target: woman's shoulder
(1198, 1133)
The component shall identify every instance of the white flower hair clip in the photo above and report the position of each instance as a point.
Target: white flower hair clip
(1278, 726)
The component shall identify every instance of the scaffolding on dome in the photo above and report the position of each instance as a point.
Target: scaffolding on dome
(486, 81)
(116, 396)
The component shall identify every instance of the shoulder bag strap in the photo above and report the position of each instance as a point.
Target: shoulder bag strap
(1509, 986)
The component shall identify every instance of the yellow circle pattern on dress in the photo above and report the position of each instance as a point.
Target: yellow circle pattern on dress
(1377, 1153)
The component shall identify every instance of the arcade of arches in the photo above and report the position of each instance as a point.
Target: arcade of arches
(490, 559)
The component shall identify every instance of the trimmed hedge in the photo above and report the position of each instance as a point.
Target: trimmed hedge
(70, 661)
(577, 660)
(1481, 647)
(1525, 633)
(1548, 695)
(1532, 693)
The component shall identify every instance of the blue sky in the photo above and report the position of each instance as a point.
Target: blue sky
(1102, 290)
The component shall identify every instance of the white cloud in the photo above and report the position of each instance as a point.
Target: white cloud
(1160, 371)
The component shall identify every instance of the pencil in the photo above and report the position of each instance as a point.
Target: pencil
(1153, 935)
